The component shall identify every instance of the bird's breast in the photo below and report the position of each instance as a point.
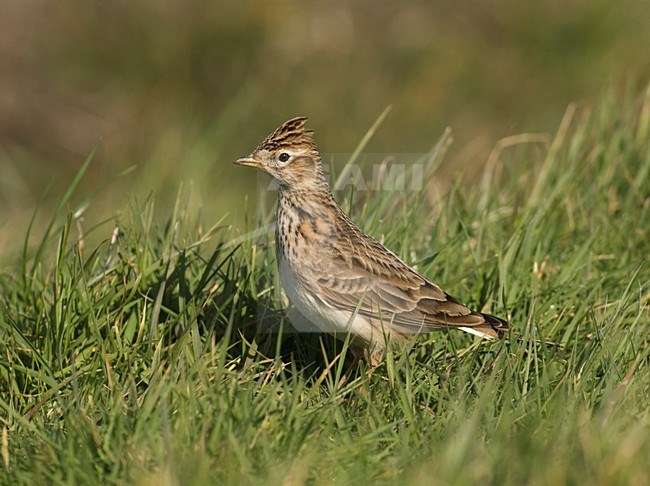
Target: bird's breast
(302, 234)
(303, 248)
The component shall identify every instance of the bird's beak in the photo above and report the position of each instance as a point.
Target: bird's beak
(248, 162)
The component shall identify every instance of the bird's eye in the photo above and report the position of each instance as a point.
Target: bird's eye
(284, 157)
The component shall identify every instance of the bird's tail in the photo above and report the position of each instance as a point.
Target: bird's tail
(493, 327)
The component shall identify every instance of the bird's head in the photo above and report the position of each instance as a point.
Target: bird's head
(290, 155)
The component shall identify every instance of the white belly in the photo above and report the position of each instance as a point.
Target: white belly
(325, 317)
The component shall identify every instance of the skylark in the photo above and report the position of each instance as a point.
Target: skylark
(338, 277)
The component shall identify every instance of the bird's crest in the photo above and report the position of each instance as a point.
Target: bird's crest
(291, 133)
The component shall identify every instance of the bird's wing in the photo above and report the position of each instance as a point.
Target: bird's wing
(365, 277)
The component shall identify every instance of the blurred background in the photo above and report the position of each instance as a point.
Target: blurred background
(181, 88)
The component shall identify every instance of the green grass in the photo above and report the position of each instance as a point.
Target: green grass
(162, 355)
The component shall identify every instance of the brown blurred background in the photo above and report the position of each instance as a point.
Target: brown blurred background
(181, 88)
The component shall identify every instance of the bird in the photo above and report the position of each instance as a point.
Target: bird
(338, 277)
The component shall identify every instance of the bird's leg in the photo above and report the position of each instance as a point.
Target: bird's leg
(356, 357)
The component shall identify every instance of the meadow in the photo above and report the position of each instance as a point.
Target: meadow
(144, 338)
(161, 354)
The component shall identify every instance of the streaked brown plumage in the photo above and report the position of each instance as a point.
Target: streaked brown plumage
(338, 277)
